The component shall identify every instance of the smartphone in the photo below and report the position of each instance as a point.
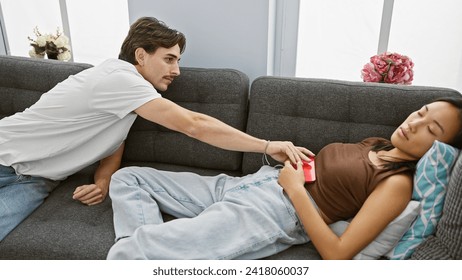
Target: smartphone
(309, 170)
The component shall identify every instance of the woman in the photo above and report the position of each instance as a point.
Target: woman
(252, 217)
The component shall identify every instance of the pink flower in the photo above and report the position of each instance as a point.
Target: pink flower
(391, 68)
(369, 74)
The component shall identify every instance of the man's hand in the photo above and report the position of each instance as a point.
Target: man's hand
(285, 150)
(90, 194)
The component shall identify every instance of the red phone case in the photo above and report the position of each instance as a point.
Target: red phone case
(309, 170)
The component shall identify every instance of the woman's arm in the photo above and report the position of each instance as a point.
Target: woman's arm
(214, 132)
(385, 203)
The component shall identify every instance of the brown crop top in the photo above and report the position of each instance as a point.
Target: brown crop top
(345, 177)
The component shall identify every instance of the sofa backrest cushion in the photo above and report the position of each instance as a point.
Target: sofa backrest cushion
(23, 80)
(316, 112)
(221, 93)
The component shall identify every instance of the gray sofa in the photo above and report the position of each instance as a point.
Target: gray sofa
(309, 112)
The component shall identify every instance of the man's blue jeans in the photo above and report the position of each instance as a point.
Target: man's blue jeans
(219, 217)
(20, 195)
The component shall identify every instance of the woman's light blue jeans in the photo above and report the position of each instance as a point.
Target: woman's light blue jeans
(220, 217)
(20, 195)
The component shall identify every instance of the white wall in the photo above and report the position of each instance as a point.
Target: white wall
(219, 34)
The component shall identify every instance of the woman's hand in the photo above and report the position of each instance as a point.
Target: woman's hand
(285, 150)
(292, 179)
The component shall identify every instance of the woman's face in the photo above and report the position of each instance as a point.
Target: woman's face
(435, 121)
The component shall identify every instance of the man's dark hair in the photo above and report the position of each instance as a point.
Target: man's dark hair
(150, 34)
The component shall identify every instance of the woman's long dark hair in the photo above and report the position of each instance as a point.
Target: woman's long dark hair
(411, 165)
(456, 102)
(385, 145)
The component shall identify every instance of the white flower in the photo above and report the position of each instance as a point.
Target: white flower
(41, 41)
(61, 41)
(49, 37)
(50, 44)
(65, 56)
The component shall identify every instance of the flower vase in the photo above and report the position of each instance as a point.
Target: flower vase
(52, 55)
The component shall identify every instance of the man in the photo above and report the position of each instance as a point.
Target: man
(86, 118)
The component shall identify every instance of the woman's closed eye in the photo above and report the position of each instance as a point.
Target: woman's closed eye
(422, 111)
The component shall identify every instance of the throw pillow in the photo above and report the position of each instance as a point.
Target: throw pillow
(447, 242)
(389, 237)
(430, 184)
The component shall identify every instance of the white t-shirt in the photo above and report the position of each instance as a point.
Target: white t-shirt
(79, 122)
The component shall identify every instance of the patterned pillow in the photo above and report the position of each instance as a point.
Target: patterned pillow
(388, 238)
(446, 244)
(430, 184)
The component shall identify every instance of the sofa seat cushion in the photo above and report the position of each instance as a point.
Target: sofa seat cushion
(63, 228)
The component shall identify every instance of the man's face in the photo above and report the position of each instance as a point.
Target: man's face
(159, 68)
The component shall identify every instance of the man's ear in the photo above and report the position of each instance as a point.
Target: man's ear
(140, 54)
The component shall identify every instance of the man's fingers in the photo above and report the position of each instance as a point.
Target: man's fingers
(81, 191)
(94, 200)
(305, 153)
(85, 192)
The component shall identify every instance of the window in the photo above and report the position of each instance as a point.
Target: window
(97, 33)
(22, 16)
(96, 27)
(430, 32)
(336, 38)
